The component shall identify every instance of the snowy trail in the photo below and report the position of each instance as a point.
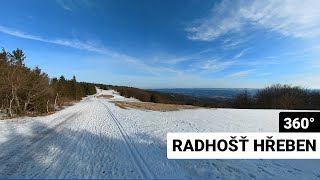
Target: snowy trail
(19, 154)
(96, 139)
(136, 156)
(85, 144)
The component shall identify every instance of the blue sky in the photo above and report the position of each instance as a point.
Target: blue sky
(167, 43)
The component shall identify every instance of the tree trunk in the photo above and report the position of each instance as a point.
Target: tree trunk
(26, 105)
(10, 108)
(15, 96)
(55, 100)
(48, 106)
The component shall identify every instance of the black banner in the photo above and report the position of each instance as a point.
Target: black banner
(299, 122)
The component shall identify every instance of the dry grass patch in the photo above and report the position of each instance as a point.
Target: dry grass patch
(152, 106)
(105, 96)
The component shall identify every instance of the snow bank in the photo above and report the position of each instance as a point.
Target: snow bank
(96, 139)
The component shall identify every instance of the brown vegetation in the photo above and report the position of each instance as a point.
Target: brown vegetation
(105, 96)
(152, 106)
(279, 97)
(157, 97)
(26, 91)
(273, 97)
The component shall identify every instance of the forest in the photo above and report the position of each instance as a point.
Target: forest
(29, 91)
(276, 96)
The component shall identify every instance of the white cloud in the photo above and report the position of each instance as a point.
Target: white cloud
(64, 42)
(241, 73)
(215, 65)
(233, 43)
(92, 47)
(179, 60)
(64, 5)
(188, 57)
(241, 53)
(293, 18)
(70, 5)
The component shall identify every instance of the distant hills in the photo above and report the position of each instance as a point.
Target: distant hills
(212, 93)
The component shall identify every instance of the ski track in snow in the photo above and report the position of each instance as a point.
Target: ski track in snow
(137, 159)
(96, 139)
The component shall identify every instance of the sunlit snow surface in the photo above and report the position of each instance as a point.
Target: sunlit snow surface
(96, 139)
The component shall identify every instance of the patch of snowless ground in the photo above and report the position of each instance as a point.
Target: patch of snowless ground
(96, 139)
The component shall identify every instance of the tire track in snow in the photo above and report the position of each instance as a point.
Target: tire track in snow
(143, 168)
(20, 155)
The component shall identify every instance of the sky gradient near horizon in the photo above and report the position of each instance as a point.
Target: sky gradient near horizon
(167, 43)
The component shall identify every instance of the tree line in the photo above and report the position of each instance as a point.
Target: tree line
(25, 90)
(279, 96)
(273, 97)
(157, 97)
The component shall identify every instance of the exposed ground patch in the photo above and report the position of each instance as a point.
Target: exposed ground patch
(152, 106)
(105, 96)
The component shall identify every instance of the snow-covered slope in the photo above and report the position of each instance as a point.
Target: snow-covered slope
(96, 139)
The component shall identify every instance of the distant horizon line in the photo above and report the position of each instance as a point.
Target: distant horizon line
(153, 88)
(216, 88)
(200, 88)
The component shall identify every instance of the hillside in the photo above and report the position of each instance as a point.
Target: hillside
(96, 139)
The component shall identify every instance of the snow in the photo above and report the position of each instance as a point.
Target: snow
(96, 139)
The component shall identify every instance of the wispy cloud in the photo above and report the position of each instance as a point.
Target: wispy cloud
(216, 65)
(241, 73)
(155, 70)
(241, 53)
(92, 47)
(212, 27)
(179, 59)
(229, 43)
(287, 17)
(89, 46)
(71, 5)
(64, 5)
(187, 57)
